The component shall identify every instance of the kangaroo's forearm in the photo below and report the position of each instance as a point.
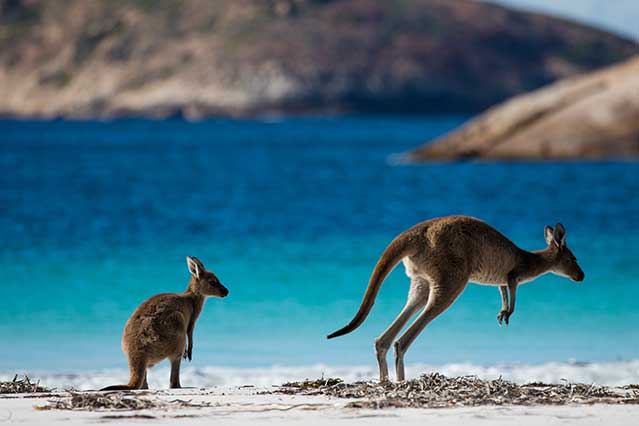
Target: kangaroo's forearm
(503, 313)
(189, 336)
(512, 289)
(504, 297)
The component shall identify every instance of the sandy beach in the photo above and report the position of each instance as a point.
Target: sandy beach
(256, 405)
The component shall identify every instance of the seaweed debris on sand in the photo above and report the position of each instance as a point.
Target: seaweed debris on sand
(114, 401)
(24, 385)
(438, 391)
(296, 387)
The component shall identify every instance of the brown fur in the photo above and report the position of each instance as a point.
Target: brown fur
(441, 256)
(160, 327)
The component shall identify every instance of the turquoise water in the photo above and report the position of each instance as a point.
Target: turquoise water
(291, 215)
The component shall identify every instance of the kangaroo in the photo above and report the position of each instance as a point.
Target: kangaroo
(160, 326)
(440, 257)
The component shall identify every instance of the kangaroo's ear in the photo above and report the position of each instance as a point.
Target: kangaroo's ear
(194, 267)
(548, 234)
(559, 235)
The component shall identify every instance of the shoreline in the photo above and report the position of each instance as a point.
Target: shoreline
(613, 373)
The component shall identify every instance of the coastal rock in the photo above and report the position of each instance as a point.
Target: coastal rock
(200, 58)
(589, 117)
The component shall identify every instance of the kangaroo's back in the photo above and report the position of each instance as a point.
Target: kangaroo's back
(485, 253)
(155, 326)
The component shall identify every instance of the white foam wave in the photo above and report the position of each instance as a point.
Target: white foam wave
(600, 373)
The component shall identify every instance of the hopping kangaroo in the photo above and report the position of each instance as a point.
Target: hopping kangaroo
(159, 327)
(441, 256)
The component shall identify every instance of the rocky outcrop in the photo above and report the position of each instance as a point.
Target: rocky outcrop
(589, 117)
(105, 58)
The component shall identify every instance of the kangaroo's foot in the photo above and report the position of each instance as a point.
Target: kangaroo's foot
(380, 350)
(399, 362)
(503, 316)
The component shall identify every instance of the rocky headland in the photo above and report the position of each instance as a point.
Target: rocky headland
(595, 116)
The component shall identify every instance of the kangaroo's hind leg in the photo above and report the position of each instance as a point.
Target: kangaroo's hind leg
(175, 372)
(176, 360)
(137, 367)
(145, 384)
(442, 294)
(417, 298)
(175, 343)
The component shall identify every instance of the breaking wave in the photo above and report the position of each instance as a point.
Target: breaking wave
(600, 373)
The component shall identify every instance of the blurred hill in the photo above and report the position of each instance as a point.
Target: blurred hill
(593, 116)
(197, 58)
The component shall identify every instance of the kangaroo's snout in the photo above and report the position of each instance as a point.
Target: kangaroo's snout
(223, 291)
(579, 277)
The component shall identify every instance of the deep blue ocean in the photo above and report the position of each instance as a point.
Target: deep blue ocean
(292, 215)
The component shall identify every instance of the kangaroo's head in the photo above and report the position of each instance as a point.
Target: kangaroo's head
(204, 282)
(564, 262)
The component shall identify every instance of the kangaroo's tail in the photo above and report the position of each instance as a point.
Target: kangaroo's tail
(118, 387)
(399, 248)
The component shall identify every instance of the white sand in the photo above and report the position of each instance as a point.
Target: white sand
(235, 406)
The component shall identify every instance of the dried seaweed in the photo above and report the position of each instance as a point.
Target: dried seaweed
(313, 384)
(24, 385)
(114, 401)
(438, 391)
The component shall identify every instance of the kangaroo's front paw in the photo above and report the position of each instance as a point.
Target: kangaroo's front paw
(187, 354)
(506, 318)
(503, 316)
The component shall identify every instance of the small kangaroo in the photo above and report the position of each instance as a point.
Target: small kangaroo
(440, 257)
(160, 326)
